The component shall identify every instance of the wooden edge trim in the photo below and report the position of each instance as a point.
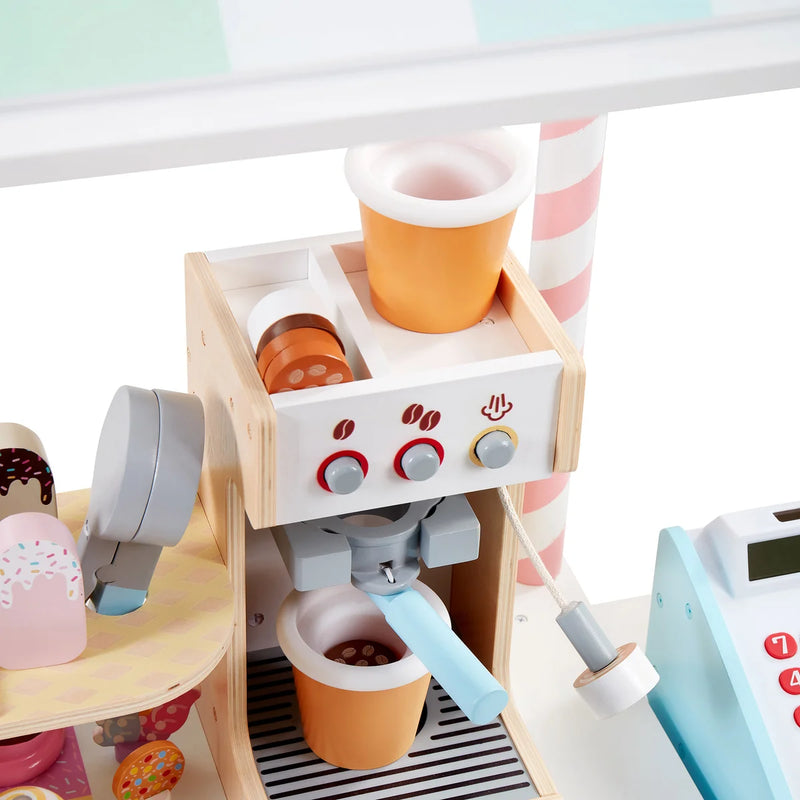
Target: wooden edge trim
(530, 756)
(245, 764)
(200, 277)
(542, 329)
(482, 610)
(223, 704)
(507, 586)
(502, 650)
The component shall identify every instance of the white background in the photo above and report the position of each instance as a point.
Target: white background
(693, 398)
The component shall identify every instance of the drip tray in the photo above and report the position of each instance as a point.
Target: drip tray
(451, 759)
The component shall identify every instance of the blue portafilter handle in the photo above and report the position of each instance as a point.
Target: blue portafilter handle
(470, 685)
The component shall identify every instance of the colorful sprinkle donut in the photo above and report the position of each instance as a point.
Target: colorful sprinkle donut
(149, 770)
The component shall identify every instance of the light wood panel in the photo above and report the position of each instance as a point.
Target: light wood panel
(220, 372)
(223, 705)
(240, 419)
(482, 609)
(541, 331)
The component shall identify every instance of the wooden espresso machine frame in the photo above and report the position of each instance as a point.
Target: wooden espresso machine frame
(239, 479)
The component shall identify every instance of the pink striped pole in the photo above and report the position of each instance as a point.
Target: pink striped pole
(564, 222)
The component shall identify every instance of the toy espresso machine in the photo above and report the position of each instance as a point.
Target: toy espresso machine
(359, 420)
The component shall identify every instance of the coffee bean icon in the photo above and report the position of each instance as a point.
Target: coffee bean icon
(412, 414)
(344, 429)
(430, 419)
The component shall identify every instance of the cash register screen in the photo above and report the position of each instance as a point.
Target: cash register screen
(773, 557)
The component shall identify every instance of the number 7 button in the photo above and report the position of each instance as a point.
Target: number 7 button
(780, 645)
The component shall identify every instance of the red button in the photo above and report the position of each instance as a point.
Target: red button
(790, 680)
(797, 716)
(781, 645)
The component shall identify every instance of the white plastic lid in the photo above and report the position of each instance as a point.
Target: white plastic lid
(310, 623)
(282, 303)
(446, 182)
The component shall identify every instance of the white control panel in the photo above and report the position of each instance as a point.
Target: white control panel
(455, 430)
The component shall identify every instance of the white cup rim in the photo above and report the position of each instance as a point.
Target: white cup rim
(343, 600)
(371, 171)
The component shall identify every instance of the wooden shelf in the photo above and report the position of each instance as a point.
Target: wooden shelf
(138, 660)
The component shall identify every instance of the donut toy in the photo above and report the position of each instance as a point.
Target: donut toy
(29, 793)
(149, 770)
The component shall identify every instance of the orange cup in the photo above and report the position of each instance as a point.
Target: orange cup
(354, 717)
(436, 217)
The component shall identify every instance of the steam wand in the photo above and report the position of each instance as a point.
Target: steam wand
(615, 678)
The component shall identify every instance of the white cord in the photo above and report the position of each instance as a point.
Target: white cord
(547, 579)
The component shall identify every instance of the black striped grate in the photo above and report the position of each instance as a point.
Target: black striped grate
(451, 758)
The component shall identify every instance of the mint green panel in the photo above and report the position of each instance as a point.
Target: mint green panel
(535, 20)
(55, 46)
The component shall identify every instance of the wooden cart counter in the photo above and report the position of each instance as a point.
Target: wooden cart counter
(139, 660)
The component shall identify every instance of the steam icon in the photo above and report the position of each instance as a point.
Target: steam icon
(497, 407)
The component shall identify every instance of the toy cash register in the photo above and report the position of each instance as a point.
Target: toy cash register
(724, 631)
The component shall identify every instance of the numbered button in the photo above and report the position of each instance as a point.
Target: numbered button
(790, 680)
(781, 645)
